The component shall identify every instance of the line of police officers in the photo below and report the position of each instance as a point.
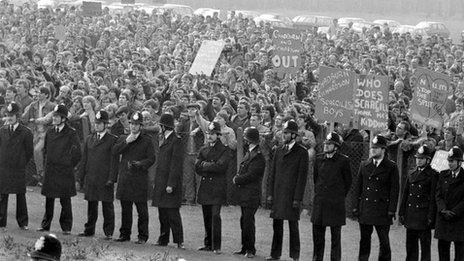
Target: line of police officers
(429, 200)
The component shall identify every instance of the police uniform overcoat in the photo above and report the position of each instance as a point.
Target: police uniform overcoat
(450, 196)
(287, 181)
(16, 149)
(418, 200)
(169, 173)
(62, 152)
(247, 189)
(132, 181)
(332, 181)
(211, 165)
(99, 165)
(376, 192)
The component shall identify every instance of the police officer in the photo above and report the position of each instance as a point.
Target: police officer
(16, 150)
(211, 165)
(376, 198)
(167, 193)
(332, 179)
(287, 182)
(248, 189)
(418, 209)
(137, 155)
(98, 174)
(62, 152)
(450, 208)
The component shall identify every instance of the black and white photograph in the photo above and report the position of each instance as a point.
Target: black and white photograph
(211, 130)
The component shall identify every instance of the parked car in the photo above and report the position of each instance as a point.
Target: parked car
(359, 26)
(206, 11)
(306, 21)
(183, 10)
(247, 14)
(274, 19)
(390, 23)
(345, 21)
(404, 28)
(434, 28)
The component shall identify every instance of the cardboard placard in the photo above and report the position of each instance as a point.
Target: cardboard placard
(92, 8)
(60, 32)
(288, 47)
(370, 107)
(440, 161)
(430, 94)
(334, 101)
(207, 57)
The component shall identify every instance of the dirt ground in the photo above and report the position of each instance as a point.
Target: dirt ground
(14, 244)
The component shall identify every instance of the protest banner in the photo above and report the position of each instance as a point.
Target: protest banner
(334, 102)
(207, 57)
(127, 2)
(60, 32)
(430, 95)
(287, 53)
(370, 107)
(92, 8)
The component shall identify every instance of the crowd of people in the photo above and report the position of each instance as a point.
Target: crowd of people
(111, 101)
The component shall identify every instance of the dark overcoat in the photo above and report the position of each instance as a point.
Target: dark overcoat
(169, 173)
(450, 196)
(418, 205)
(16, 150)
(211, 165)
(332, 181)
(247, 187)
(99, 165)
(287, 181)
(132, 181)
(376, 192)
(62, 152)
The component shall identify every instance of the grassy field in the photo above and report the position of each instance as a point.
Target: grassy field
(15, 243)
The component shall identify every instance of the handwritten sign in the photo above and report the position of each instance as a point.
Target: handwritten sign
(207, 57)
(440, 160)
(371, 102)
(60, 32)
(92, 8)
(288, 47)
(334, 101)
(430, 94)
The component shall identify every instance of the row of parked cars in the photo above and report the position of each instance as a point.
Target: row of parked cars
(425, 28)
